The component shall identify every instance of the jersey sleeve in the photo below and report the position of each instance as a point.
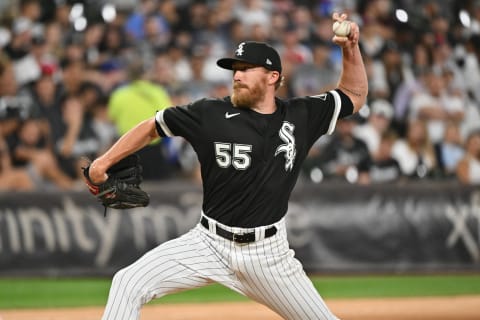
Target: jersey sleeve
(184, 121)
(323, 112)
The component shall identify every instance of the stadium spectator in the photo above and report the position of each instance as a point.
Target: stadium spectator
(471, 66)
(194, 19)
(168, 10)
(381, 167)
(156, 37)
(78, 139)
(450, 150)
(468, 169)
(435, 106)
(372, 41)
(162, 73)
(378, 122)
(136, 22)
(104, 130)
(30, 150)
(388, 72)
(302, 18)
(11, 178)
(91, 42)
(73, 75)
(53, 39)
(292, 51)
(278, 22)
(253, 12)
(40, 51)
(415, 153)
(318, 76)
(30, 9)
(8, 83)
(12, 112)
(413, 84)
(19, 51)
(62, 16)
(115, 45)
(197, 86)
(45, 95)
(134, 102)
(111, 75)
(89, 93)
(394, 68)
(179, 62)
(340, 157)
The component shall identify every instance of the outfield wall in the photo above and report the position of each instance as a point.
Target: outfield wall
(332, 228)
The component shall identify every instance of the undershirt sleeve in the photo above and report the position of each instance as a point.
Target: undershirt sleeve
(347, 105)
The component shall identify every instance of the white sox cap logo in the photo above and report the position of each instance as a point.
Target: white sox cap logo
(239, 51)
(286, 134)
(257, 53)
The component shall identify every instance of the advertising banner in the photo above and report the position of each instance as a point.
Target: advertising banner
(332, 228)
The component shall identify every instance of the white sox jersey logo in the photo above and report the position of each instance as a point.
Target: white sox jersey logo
(286, 134)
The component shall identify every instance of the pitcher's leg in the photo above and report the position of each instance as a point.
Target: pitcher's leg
(274, 277)
(169, 268)
(291, 295)
(303, 300)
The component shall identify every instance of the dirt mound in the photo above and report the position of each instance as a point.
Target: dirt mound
(438, 308)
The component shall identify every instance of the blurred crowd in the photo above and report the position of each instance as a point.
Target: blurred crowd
(75, 75)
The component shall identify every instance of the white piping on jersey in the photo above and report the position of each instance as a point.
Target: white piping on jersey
(163, 125)
(338, 107)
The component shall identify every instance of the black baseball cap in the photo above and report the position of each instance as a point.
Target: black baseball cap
(258, 53)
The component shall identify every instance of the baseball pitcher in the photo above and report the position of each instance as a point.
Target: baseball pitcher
(250, 146)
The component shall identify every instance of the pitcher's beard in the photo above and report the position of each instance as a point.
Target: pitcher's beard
(249, 98)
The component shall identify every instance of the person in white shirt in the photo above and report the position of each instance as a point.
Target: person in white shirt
(415, 154)
(381, 114)
(436, 106)
(468, 169)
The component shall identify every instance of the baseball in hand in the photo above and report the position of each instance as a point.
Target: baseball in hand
(341, 29)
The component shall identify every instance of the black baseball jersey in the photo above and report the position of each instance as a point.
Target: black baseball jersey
(250, 161)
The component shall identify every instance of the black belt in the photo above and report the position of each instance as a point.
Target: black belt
(238, 237)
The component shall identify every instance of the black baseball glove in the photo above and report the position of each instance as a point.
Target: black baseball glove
(122, 188)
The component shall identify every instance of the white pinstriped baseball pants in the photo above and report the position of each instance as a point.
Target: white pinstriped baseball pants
(265, 271)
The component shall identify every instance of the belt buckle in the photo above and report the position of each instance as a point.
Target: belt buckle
(244, 237)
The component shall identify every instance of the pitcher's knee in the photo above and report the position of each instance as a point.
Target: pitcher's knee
(119, 278)
(122, 282)
(133, 291)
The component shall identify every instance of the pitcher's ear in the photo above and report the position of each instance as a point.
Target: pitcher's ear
(274, 76)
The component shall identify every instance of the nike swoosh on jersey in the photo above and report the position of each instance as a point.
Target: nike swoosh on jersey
(231, 115)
